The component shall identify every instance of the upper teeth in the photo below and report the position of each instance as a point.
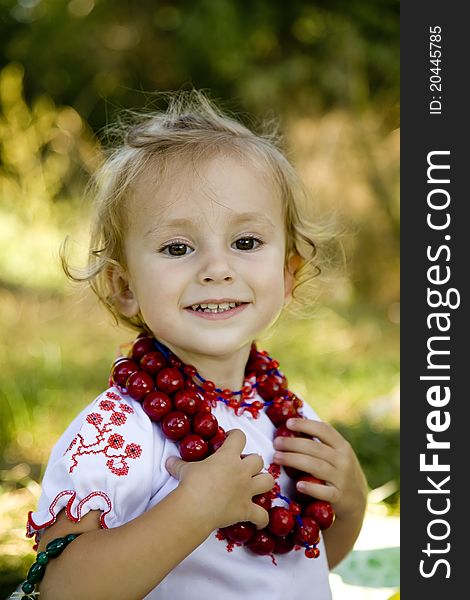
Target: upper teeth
(216, 307)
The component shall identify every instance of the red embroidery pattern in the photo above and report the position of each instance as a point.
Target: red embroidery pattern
(116, 463)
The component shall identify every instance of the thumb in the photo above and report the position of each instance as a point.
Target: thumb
(174, 465)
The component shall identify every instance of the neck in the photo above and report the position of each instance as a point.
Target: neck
(226, 371)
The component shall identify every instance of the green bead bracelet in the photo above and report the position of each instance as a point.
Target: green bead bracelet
(38, 568)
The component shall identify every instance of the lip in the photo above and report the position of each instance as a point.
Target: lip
(227, 314)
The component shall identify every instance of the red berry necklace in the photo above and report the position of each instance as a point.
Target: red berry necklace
(180, 400)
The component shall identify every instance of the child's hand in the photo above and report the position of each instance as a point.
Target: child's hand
(329, 457)
(222, 485)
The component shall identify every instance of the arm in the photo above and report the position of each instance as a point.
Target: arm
(330, 458)
(127, 562)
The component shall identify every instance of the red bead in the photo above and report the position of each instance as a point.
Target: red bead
(217, 440)
(240, 532)
(274, 364)
(312, 552)
(193, 447)
(141, 346)
(261, 542)
(293, 473)
(281, 521)
(211, 397)
(322, 512)
(294, 507)
(122, 370)
(208, 385)
(189, 370)
(279, 413)
(258, 365)
(227, 394)
(272, 386)
(205, 406)
(175, 425)
(119, 359)
(169, 380)
(187, 401)
(309, 479)
(263, 500)
(284, 431)
(205, 425)
(152, 362)
(247, 389)
(139, 385)
(156, 405)
(284, 544)
(257, 405)
(309, 532)
(174, 361)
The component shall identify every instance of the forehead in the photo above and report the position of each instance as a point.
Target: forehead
(221, 190)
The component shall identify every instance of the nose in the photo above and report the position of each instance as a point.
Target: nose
(216, 268)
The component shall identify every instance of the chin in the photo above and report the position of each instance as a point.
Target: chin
(219, 348)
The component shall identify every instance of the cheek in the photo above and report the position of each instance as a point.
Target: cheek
(269, 278)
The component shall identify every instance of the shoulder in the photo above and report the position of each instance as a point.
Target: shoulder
(106, 460)
(115, 428)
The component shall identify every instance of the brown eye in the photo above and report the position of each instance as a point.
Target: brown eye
(176, 249)
(247, 243)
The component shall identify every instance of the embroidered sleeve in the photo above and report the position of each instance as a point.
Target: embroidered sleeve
(104, 461)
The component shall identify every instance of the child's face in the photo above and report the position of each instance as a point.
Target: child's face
(189, 242)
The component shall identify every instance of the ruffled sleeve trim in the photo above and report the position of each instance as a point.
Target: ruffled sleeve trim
(73, 509)
(53, 511)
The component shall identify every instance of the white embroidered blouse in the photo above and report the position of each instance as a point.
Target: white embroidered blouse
(112, 458)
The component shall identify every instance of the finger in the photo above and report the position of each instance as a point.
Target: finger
(327, 492)
(174, 465)
(306, 446)
(319, 429)
(262, 483)
(234, 442)
(258, 516)
(254, 463)
(310, 464)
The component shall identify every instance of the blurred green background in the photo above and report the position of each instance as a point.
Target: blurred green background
(329, 71)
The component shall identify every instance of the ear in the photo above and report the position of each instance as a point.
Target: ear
(293, 263)
(123, 297)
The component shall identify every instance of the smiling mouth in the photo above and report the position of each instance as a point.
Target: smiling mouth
(215, 308)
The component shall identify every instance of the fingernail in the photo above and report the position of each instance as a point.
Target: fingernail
(277, 455)
(301, 485)
(290, 422)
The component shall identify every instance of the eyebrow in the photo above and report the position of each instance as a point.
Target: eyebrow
(238, 219)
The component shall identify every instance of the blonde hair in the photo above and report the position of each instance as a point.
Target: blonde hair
(191, 128)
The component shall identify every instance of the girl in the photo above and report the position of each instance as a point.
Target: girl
(198, 244)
